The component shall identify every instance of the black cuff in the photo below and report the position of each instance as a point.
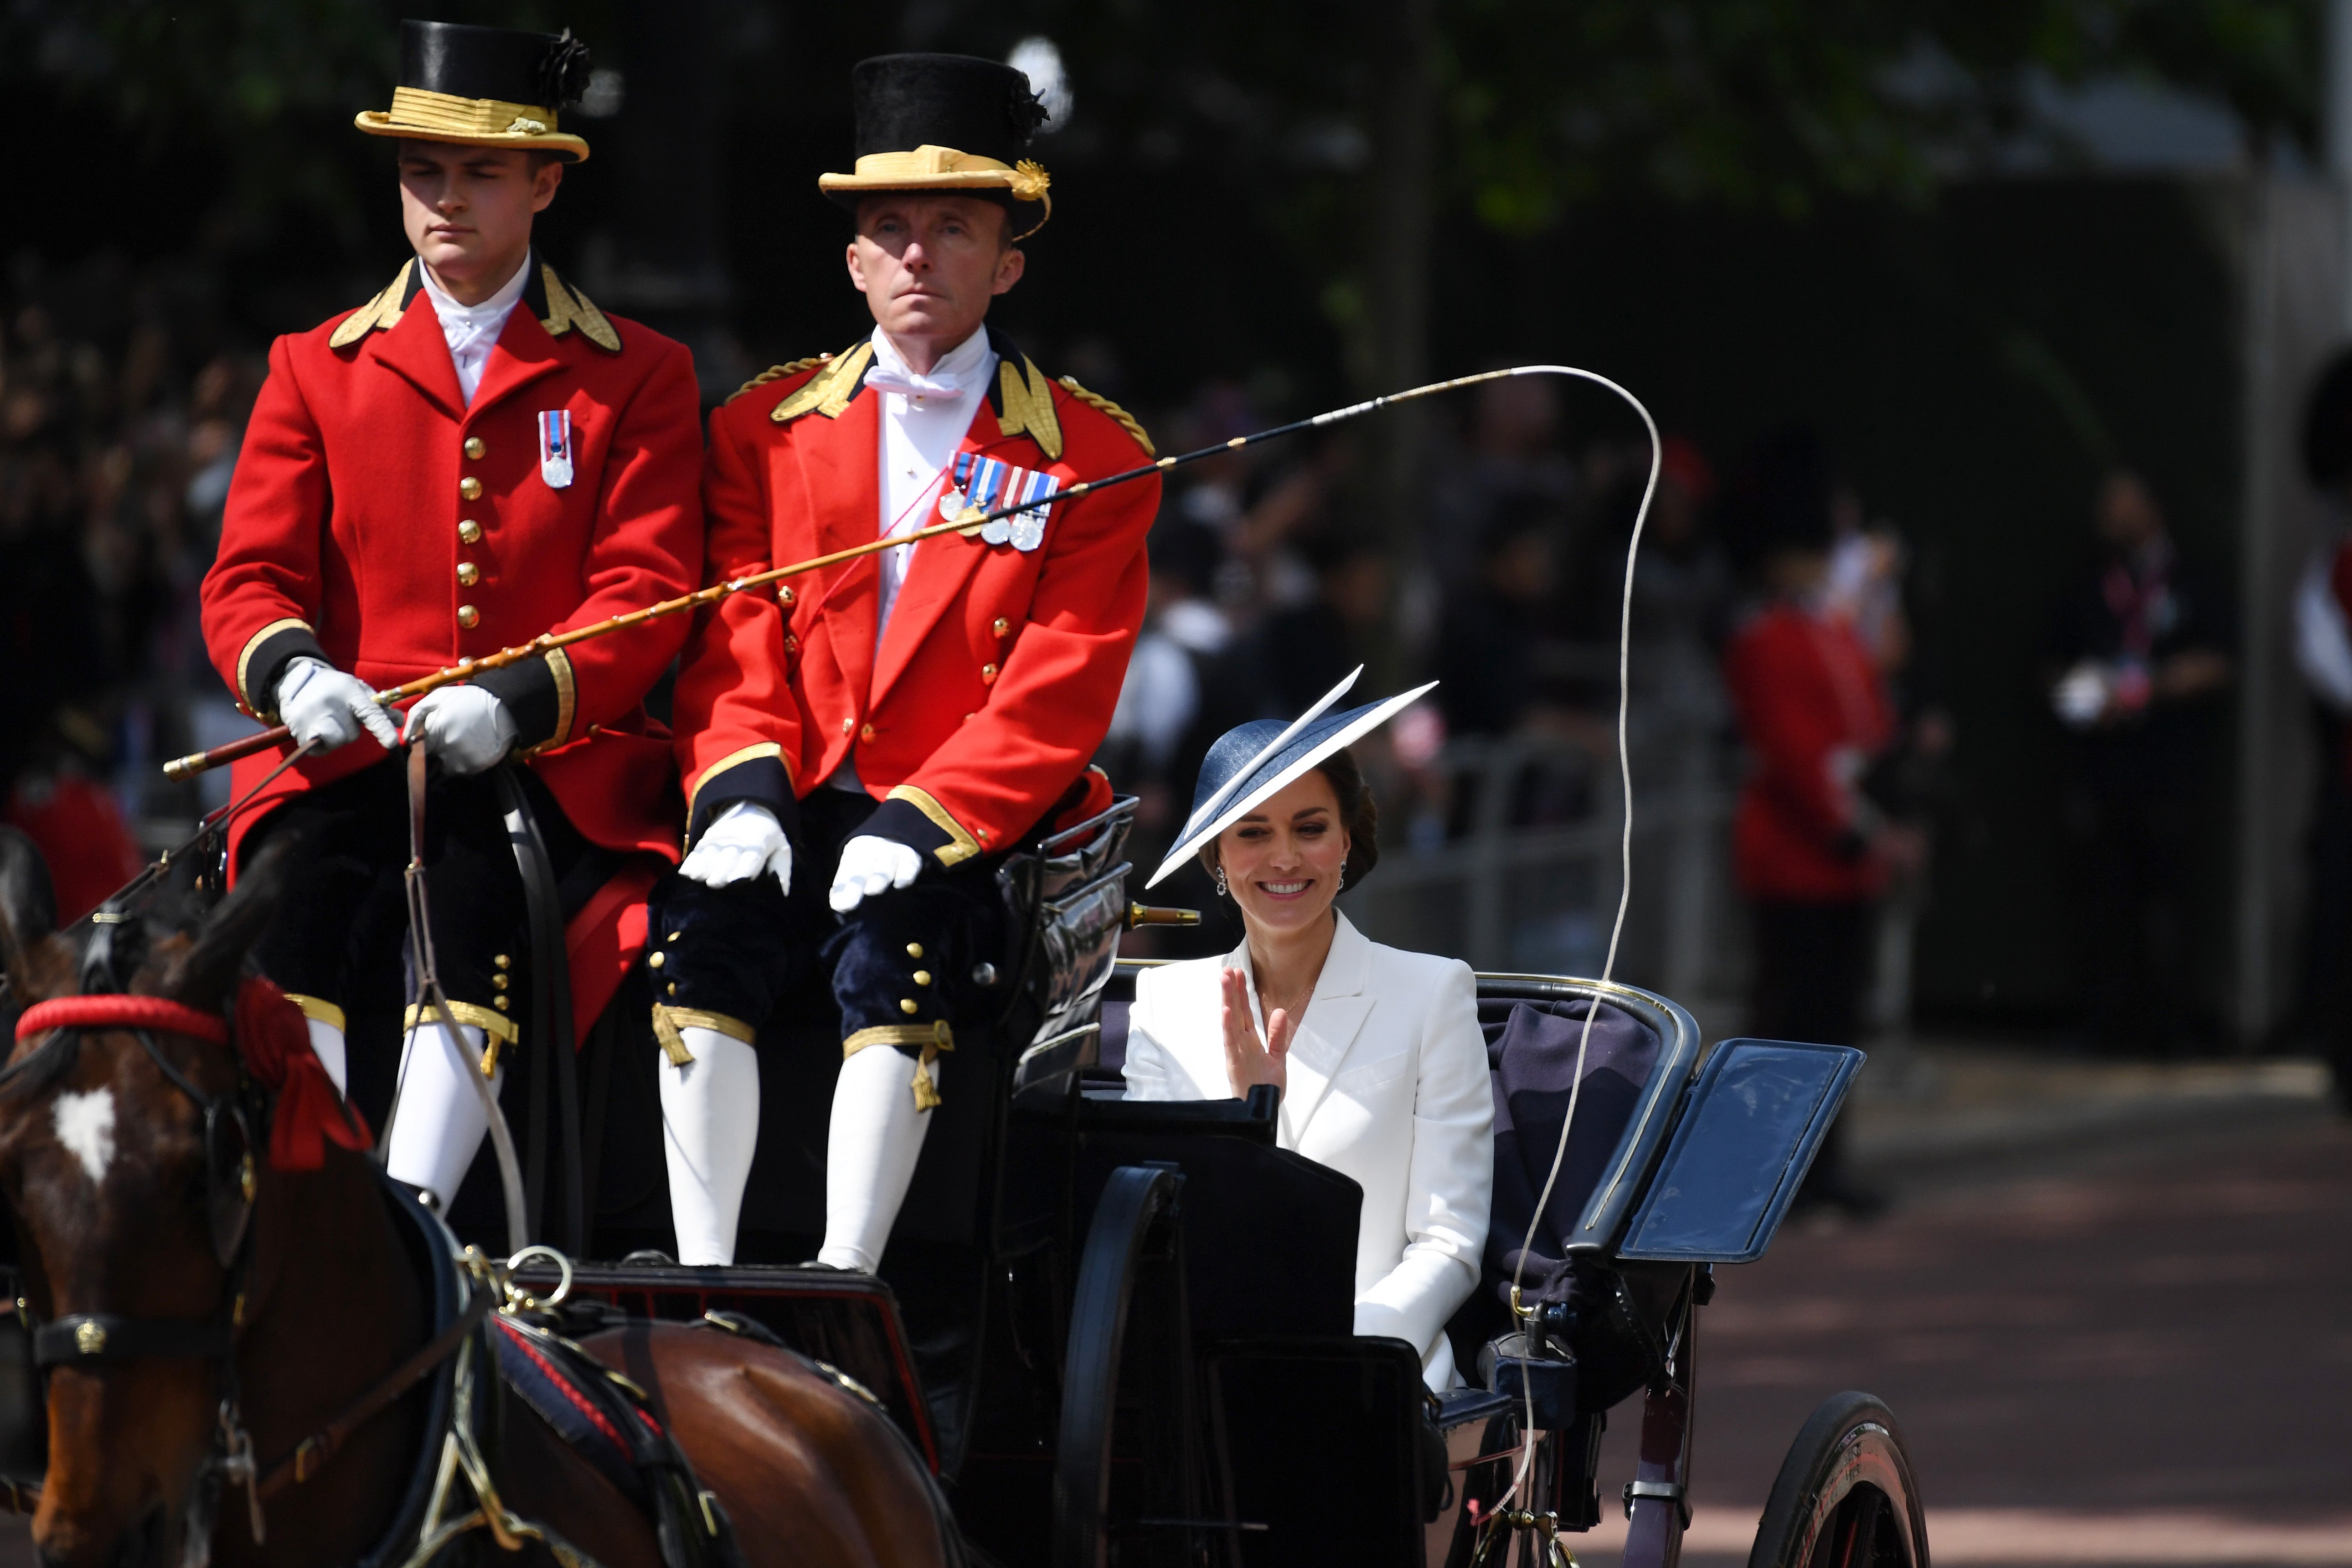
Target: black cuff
(903, 822)
(534, 698)
(265, 666)
(761, 780)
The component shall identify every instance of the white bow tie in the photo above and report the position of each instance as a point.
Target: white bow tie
(909, 383)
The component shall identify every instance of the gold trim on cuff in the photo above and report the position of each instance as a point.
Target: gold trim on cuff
(934, 1037)
(319, 1011)
(500, 1029)
(668, 1021)
(964, 845)
(245, 658)
(567, 696)
(733, 759)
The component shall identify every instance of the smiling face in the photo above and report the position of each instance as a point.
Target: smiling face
(1282, 860)
(467, 211)
(928, 265)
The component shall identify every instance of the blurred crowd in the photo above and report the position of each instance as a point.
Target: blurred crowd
(119, 430)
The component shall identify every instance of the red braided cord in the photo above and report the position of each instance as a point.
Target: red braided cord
(118, 1012)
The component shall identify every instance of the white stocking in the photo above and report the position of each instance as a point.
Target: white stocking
(439, 1122)
(710, 1125)
(327, 1044)
(869, 1156)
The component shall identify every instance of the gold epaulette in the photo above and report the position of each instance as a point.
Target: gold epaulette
(827, 392)
(1125, 420)
(777, 373)
(383, 310)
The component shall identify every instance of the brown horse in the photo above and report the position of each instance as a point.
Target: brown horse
(104, 1166)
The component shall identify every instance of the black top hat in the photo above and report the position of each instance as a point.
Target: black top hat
(943, 123)
(484, 87)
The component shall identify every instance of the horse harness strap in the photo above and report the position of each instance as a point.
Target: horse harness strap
(87, 1338)
(314, 1451)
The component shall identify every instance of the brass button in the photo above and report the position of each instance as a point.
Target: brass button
(988, 674)
(498, 981)
(908, 1004)
(866, 734)
(785, 594)
(655, 961)
(470, 488)
(468, 574)
(792, 643)
(503, 961)
(673, 988)
(475, 450)
(674, 936)
(847, 725)
(469, 532)
(1001, 626)
(922, 977)
(468, 616)
(915, 949)
(499, 1002)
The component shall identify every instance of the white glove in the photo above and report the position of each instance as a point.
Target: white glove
(871, 866)
(319, 702)
(468, 728)
(744, 841)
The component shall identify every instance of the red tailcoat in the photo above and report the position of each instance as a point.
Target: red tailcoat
(349, 523)
(996, 677)
(1814, 714)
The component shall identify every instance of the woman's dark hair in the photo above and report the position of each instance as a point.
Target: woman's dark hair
(1360, 814)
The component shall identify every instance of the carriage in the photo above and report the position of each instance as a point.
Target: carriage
(1121, 1332)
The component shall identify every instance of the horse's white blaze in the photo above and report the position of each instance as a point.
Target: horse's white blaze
(86, 1126)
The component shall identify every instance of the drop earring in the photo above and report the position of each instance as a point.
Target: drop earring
(1222, 891)
(1342, 885)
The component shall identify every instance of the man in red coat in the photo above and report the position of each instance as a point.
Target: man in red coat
(474, 457)
(861, 746)
(1810, 851)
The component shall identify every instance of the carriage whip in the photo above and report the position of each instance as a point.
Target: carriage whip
(183, 768)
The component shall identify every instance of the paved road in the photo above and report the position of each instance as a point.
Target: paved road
(2137, 1349)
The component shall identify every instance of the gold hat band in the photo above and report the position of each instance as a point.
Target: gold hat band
(941, 168)
(446, 113)
(474, 122)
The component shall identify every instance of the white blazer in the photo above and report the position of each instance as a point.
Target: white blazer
(1386, 1084)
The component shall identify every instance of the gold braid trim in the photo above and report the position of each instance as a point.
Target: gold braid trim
(778, 372)
(568, 308)
(668, 1021)
(1028, 401)
(934, 1037)
(962, 846)
(318, 1010)
(829, 390)
(499, 1029)
(1125, 420)
(383, 310)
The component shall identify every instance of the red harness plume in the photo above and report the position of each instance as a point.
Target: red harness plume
(271, 1035)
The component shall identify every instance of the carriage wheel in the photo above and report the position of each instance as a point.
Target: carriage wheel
(1845, 1496)
(1130, 1275)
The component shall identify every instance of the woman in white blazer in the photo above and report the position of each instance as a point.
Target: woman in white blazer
(1376, 1051)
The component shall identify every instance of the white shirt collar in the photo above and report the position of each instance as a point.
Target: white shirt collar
(494, 310)
(958, 370)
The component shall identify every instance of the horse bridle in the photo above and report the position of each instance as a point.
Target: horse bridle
(230, 1175)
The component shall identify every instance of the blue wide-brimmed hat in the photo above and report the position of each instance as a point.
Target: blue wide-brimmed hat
(1252, 761)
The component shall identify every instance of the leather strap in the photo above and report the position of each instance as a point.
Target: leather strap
(90, 1338)
(312, 1454)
